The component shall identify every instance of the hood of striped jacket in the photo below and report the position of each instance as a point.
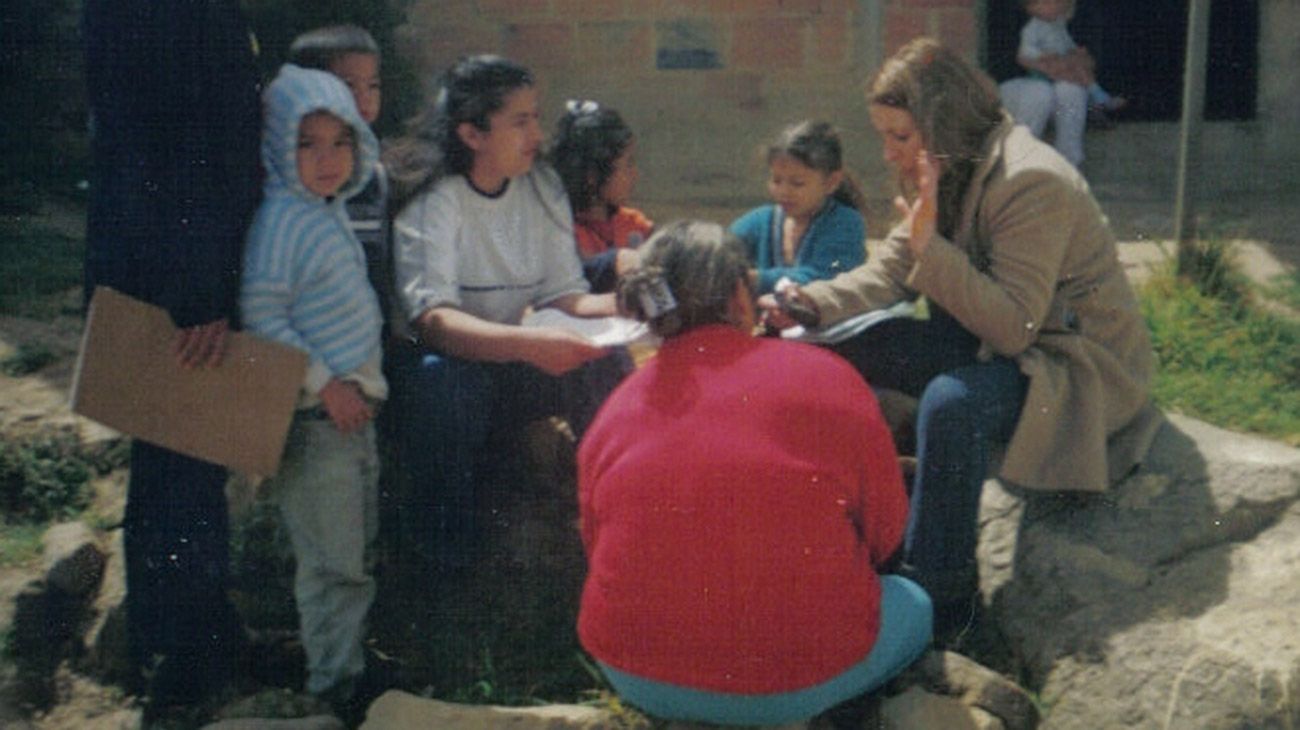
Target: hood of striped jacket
(295, 93)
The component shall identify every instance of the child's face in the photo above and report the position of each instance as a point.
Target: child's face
(617, 190)
(1049, 10)
(800, 190)
(360, 71)
(325, 153)
(512, 140)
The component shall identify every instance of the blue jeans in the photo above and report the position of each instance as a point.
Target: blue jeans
(966, 407)
(446, 409)
(327, 490)
(905, 624)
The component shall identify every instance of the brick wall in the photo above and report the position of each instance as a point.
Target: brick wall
(952, 21)
(702, 82)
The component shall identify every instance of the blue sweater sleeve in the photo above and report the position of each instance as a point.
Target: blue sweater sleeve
(754, 229)
(836, 242)
(601, 271)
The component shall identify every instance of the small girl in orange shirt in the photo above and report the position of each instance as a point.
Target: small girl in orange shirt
(595, 154)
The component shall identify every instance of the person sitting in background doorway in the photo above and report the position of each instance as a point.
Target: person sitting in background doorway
(1061, 86)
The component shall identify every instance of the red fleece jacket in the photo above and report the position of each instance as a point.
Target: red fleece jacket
(737, 496)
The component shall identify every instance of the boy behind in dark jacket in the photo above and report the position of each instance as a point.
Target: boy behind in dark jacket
(350, 53)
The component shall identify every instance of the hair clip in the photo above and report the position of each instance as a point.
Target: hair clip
(583, 106)
(655, 297)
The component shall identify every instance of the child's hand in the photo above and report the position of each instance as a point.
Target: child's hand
(345, 405)
(921, 214)
(556, 351)
(787, 306)
(772, 316)
(626, 260)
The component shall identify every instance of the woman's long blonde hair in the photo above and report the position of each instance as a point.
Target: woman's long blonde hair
(954, 107)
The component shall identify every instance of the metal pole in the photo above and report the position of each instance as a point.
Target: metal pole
(1198, 32)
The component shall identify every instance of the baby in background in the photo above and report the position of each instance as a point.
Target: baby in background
(1046, 45)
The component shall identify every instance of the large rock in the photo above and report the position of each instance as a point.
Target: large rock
(74, 563)
(317, 722)
(401, 711)
(107, 654)
(917, 709)
(986, 696)
(1170, 601)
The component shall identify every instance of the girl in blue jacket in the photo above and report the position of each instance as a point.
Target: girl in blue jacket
(814, 228)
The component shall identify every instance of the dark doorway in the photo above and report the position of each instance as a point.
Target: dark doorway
(1139, 47)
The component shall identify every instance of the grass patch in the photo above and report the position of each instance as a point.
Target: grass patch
(505, 639)
(20, 544)
(1285, 290)
(38, 267)
(1222, 358)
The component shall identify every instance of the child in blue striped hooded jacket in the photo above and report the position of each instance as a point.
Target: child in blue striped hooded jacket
(305, 284)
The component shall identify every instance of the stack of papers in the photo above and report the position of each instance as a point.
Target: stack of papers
(857, 324)
(603, 331)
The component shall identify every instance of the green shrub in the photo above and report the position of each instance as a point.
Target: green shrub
(38, 266)
(43, 127)
(27, 360)
(1210, 265)
(45, 477)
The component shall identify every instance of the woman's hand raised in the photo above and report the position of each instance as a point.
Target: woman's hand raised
(921, 214)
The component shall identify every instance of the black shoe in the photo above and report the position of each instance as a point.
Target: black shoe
(1099, 118)
(351, 700)
(956, 622)
(184, 691)
(858, 713)
(956, 598)
(275, 658)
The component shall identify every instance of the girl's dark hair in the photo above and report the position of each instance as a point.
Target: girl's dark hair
(588, 139)
(699, 263)
(474, 88)
(954, 107)
(817, 145)
(319, 48)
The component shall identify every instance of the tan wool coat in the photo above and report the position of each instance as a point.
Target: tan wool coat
(1032, 271)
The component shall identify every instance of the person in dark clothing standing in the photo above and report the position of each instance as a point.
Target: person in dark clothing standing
(175, 118)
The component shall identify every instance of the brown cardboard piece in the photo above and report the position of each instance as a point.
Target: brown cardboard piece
(236, 414)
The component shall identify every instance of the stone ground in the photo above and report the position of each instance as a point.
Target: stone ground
(1268, 244)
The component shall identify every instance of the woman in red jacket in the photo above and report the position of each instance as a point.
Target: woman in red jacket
(738, 498)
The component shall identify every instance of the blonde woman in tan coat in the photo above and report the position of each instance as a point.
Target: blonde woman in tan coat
(1034, 338)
